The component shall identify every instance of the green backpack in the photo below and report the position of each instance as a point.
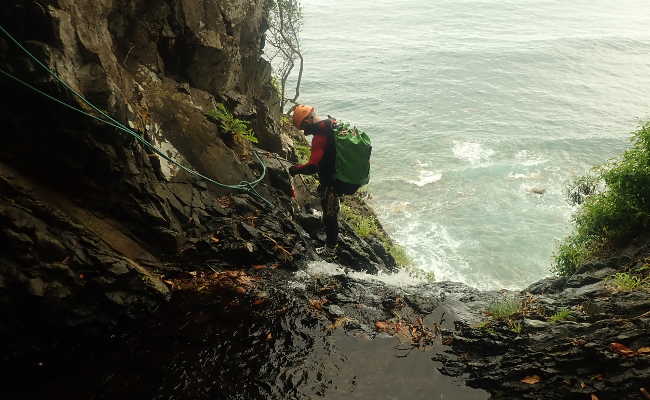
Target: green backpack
(353, 150)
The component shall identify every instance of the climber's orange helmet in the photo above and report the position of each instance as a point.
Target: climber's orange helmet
(300, 113)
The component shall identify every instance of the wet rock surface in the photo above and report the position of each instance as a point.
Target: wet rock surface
(599, 349)
(268, 333)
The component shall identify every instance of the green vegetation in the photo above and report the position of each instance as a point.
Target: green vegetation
(285, 120)
(303, 153)
(405, 262)
(355, 212)
(515, 326)
(625, 282)
(489, 326)
(614, 206)
(508, 311)
(363, 225)
(504, 308)
(230, 124)
(486, 326)
(398, 253)
(561, 315)
(581, 188)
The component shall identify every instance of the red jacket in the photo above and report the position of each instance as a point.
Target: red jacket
(322, 153)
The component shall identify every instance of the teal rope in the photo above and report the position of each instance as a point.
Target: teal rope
(244, 186)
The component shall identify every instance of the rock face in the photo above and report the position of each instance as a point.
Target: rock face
(84, 206)
(93, 220)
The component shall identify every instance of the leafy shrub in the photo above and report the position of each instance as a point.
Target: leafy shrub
(504, 308)
(230, 124)
(581, 188)
(614, 214)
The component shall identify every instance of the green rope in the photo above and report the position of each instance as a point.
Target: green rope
(245, 186)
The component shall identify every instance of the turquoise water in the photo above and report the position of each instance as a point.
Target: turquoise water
(472, 105)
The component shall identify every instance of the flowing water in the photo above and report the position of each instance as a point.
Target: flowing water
(476, 107)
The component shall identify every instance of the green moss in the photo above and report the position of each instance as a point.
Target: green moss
(303, 153)
(363, 225)
(398, 253)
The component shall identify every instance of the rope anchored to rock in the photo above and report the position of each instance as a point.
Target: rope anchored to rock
(244, 186)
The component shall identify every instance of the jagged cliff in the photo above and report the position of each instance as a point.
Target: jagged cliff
(84, 206)
(92, 220)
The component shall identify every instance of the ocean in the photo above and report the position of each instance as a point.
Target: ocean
(481, 112)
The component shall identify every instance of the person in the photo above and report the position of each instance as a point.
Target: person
(322, 161)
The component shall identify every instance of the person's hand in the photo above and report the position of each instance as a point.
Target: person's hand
(293, 170)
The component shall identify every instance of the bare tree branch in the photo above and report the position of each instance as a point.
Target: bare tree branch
(283, 40)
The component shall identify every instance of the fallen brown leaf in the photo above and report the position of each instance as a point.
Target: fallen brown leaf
(328, 288)
(448, 340)
(644, 350)
(594, 397)
(317, 303)
(340, 322)
(214, 239)
(258, 267)
(381, 325)
(622, 349)
(259, 301)
(531, 380)
(645, 393)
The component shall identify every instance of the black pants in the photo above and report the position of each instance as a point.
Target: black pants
(331, 205)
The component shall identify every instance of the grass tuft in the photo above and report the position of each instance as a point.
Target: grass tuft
(561, 315)
(625, 282)
(504, 308)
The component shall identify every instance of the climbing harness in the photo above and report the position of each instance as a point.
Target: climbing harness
(245, 186)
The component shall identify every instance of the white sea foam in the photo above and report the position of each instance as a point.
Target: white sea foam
(426, 177)
(531, 175)
(472, 152)
(527, 158)
(317, 269)
(398, 207)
